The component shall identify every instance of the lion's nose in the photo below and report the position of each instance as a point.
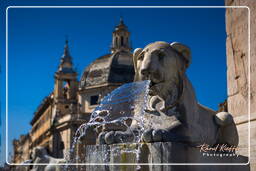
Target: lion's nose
(147, 69)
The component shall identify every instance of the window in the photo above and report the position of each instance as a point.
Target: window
(116, 43)
(122, 41)
(65, 89)
(94, 100)
(95, 73)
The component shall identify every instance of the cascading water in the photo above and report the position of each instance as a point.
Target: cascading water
(126, 103)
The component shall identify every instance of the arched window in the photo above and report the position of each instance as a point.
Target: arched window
(66, 89)
(116, 41)
(122, 41)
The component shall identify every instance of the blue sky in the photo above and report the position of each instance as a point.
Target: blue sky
(36, 41)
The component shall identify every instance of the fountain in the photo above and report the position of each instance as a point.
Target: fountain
(156, 123)
(169, 127)
(117, 111)
(121, 106)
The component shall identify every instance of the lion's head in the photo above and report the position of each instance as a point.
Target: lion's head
(164, 64)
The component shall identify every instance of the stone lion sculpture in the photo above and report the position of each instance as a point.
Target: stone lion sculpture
(173, 113)
(40, 156)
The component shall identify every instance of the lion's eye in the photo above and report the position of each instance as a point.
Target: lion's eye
(161, 56)
(141, 57)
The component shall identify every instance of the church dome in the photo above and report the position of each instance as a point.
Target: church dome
(108, 69)
(111, 69)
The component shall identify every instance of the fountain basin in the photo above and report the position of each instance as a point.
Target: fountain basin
(164, 156)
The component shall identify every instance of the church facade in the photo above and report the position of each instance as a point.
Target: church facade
(71, 103)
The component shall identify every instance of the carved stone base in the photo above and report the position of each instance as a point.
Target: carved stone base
(162, 156)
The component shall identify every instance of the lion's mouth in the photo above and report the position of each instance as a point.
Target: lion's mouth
(153, 87)
(154, 83)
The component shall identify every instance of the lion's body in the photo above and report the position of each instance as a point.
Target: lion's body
(178, 114)
(40, 156)
(173, 112)
(197, 122)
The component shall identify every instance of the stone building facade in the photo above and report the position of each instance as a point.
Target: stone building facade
(22, 148)
(239, 70)
(70, 104)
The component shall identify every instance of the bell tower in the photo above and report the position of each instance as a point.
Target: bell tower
(65, 103)
(66, 84)
(120, 38)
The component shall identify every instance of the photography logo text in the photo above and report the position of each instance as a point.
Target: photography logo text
(218, 150)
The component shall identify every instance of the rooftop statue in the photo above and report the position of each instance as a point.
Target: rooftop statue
(173, 113)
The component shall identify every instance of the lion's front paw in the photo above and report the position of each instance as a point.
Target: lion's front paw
(114, 137)
(152, 135)
(162, 135)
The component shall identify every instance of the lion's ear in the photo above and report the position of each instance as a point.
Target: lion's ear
(136, 53)
(184, 50)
